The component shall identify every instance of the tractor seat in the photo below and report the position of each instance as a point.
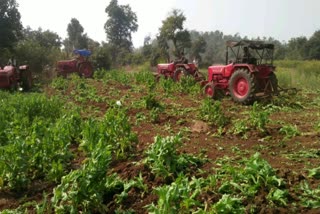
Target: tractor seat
(251, 60)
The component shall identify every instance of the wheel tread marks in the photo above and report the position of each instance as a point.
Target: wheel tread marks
(250, 97)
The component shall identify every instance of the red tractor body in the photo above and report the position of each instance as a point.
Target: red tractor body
(247, 76)
(80, 65)
(12, 77)
(177, 70)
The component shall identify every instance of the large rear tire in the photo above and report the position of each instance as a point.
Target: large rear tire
(242, 86)
(85, 70)
(26, 80)
(180, 73)
(13, 85)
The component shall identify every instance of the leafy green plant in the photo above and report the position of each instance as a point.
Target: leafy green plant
(99, 73)
(309, 197)
(155, 115)
(180, 195)
(278, 196)
(165, 161)
(240, 127)
(147, 78)
(251, 176)
(84, 188)
(114, 129)
(228, 204)
(120, 76)
(258, 118)
(60, 83)
(137, 183)
(37, 137)
(315, 172)
(151, 102)
(167, 85)
(289, 131)
(212, 112)
(311, 153)
(188, 85)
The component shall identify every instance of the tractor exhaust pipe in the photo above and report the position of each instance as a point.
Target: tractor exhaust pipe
(227, 55)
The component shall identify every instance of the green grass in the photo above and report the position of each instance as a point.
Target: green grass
(300, 74)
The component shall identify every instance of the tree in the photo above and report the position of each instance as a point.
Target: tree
(198, 47)
(10, 26)
(76, 39)
(102, 57)
(147, 48)
(122, 22)
(38, 49)
(296, 48)
(45, 38)
(172, 31)
(313, 46)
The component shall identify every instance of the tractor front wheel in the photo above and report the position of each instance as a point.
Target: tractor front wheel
(242, 86)
(209, 90)
(180, 73)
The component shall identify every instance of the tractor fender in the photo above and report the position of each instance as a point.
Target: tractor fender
(250, 68)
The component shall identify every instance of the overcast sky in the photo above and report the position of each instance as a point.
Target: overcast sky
(280, 19)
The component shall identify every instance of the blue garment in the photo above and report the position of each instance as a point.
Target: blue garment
(82, 52)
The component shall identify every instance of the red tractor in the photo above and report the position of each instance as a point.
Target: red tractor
(12, 77)
(247, 75)
(176, 70)
(80, 65)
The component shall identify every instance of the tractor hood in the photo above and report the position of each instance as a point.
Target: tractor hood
(7, 69)
(216, 69)
(167, 66)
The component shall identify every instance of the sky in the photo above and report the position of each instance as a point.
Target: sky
(280, 19)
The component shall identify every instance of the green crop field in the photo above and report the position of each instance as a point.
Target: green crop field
(124, 143)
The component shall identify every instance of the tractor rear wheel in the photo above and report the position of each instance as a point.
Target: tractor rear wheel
(85, 70)
(180, 73)
(13, 85)
(242, 86)
(26, 80)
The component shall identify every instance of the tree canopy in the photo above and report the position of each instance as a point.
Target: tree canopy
(172, 31)
(76, 38)
(121, 24)
(10, 26)
(10, 23)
